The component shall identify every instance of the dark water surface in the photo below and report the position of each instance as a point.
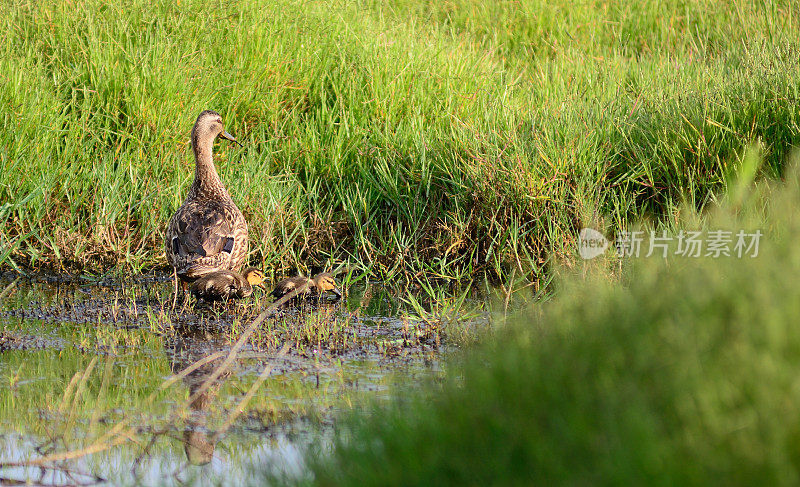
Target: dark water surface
(84, 365)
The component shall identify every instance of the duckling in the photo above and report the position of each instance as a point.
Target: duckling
(317, 285)
(208, 233)
(223, 285)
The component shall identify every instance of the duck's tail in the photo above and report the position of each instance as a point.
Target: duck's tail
(195, 270)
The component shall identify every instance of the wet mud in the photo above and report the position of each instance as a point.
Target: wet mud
(83, 363)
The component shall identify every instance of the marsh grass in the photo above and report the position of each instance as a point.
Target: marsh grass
(403, 137)
(678, 372)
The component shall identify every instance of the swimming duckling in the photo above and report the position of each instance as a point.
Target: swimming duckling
(317, 285)
(222, 285)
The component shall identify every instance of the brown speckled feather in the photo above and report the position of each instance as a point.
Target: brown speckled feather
(206, 236)
(317, 285)
(221, 285)
(290, 284)
(208, 233)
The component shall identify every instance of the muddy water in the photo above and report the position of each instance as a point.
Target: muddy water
(86, 394)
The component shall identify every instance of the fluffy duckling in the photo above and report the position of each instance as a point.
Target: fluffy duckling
(223, 285)
(317, 285)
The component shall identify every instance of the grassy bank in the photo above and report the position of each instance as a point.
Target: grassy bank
(683, 375)
(404, 137)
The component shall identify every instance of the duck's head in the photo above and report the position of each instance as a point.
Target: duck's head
(325, 282)
(208, 127)
(255, 277)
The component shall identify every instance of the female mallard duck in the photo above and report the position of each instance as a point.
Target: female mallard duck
(223, 285)
(317, 285)
(208, 233)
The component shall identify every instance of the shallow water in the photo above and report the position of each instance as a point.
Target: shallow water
(83, 365)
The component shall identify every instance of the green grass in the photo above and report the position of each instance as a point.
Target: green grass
(682, 373)
(403, 137)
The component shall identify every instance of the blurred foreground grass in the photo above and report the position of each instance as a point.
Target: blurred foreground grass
(684, 373)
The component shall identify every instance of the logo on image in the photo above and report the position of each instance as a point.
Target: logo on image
(592, 243)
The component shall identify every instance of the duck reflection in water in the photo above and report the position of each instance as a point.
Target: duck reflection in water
(188, 346)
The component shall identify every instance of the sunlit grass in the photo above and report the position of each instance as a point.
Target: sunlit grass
(404, 137)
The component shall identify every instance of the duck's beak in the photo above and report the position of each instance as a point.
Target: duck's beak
(337, 293)
(226, 135)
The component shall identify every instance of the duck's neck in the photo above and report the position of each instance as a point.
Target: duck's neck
(206, 179)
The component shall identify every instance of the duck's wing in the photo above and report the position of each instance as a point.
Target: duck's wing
(202, 238)
(288, 285)
(215, 286)
(283, 287)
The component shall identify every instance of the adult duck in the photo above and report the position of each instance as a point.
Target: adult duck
(208, 233)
